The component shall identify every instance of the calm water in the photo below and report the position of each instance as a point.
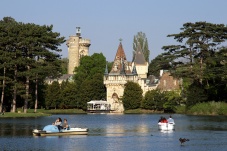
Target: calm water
(109, 132)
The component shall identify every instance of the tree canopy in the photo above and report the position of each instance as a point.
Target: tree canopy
(201, 57)
(133, 95)
(89, 79)
(31, 54)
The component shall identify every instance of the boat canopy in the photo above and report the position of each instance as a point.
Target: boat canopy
(97, 105)
(97, 102)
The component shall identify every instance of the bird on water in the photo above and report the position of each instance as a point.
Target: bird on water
(183, 140)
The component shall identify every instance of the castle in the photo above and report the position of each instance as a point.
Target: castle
(123, 71)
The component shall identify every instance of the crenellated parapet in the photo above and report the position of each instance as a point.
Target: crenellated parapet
(85, 42)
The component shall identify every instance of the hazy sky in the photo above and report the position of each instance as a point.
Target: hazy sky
(104, 22)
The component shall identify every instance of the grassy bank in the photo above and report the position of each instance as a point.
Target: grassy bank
(209, 108)
(14, 115)
(64, 111)
(40, 112)
(141, 111)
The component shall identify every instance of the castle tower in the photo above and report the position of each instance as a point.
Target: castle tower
(116, 79)
(77, 48)
(140, 63)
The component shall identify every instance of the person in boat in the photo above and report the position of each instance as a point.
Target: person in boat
(170, 120)
(58, 123)
(65, 124)
(162, 120)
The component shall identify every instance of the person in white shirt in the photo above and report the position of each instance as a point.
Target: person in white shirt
(58, 123)
(170, 120)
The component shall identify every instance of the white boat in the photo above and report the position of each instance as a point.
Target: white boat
(166, 126)
(52, 130)
(98, 106)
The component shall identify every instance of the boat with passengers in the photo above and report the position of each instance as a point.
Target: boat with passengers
(165, 125)
(53, 130)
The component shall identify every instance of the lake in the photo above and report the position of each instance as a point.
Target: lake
(120, 132)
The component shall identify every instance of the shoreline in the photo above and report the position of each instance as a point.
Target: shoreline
(42, 112)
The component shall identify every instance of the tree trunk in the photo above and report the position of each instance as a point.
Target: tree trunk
(201, 71)
(36, 94)
(27, 94)
(13, 105)
(3, 90)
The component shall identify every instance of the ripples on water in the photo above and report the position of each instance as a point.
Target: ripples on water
(117, 133)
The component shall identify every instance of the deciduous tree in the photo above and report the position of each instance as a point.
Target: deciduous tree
(133, 95)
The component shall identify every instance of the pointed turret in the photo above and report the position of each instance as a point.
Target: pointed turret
(139, 56)
(122, 67)
(106, 70)
(134, 71)
(120, 62)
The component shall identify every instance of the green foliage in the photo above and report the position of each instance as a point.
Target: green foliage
(153, 100)
(109, 66)
(172, 100)
(215, 75)
(198, 41)
(68, 95)
(180, 109)
(30, 54)
(195, 94)
(200, 58)
(132, 96)
(158, 101)
(140, 40)
(159, 63)
(209, 108)
(89, 79)
(149, 101)
(64, 65)
(53, 95)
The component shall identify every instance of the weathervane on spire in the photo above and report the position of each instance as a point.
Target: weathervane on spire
(120, 39)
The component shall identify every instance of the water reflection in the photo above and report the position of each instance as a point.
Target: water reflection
(167, 131)
(117, 132)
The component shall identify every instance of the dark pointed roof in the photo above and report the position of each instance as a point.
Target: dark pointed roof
(134, 71)
(106, 70)
(120, 62)
(139, 56)
(122, 67)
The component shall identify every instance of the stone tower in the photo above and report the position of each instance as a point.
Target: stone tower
(77, 48)
(116, 79)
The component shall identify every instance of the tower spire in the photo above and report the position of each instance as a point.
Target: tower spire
(78, 31)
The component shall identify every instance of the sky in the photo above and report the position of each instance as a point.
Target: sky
(104, 22)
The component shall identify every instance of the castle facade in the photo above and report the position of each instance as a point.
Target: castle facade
(123, 71)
